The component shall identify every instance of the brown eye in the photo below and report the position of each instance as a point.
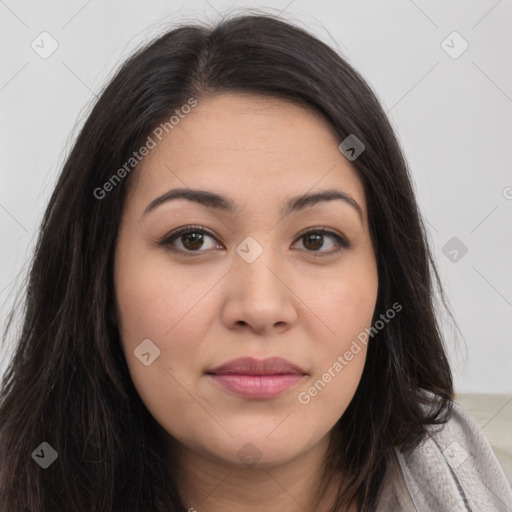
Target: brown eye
(192, 241)
(189, 240)
(315, 240)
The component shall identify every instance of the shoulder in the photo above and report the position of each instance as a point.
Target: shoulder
(453, 469)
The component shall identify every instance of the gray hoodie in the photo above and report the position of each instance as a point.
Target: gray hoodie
(453, 470)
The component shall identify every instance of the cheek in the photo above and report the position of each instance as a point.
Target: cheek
(343, 305)
(329, 392)
(152, 306)
(173, 317)
(156, 300)
(157, 303)
(340, 356)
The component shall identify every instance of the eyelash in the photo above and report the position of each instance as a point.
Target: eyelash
(174, 235)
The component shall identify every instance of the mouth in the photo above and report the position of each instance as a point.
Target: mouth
(252, 378)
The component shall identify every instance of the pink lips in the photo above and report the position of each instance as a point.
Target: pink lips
(257, 379)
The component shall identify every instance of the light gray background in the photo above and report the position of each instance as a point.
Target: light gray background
(453, 117)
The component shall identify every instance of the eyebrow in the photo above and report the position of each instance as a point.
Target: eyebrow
(219, 202)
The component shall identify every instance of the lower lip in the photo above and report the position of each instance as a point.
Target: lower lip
(257, 386)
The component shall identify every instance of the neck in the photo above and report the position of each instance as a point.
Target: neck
(211, 485)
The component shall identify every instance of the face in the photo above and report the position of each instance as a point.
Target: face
(255, 275)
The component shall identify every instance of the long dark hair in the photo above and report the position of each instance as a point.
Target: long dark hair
(68, 383)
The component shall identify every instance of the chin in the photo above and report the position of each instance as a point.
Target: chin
(259, 451)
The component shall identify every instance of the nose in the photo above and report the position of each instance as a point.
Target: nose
(258, 296)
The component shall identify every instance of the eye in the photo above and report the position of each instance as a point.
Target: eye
(314, 239)
(191, 239)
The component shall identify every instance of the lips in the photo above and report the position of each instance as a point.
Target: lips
(249, 366)
(252, 378)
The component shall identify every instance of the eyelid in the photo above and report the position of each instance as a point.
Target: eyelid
(173, 235)
(342, 242)
(321, 229)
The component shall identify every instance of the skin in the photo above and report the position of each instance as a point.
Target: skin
(298, 300)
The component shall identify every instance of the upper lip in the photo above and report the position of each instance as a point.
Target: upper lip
(250, 366)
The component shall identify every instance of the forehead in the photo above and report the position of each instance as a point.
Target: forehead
(244, 146)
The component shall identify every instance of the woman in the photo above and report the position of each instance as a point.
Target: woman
(230, 305)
